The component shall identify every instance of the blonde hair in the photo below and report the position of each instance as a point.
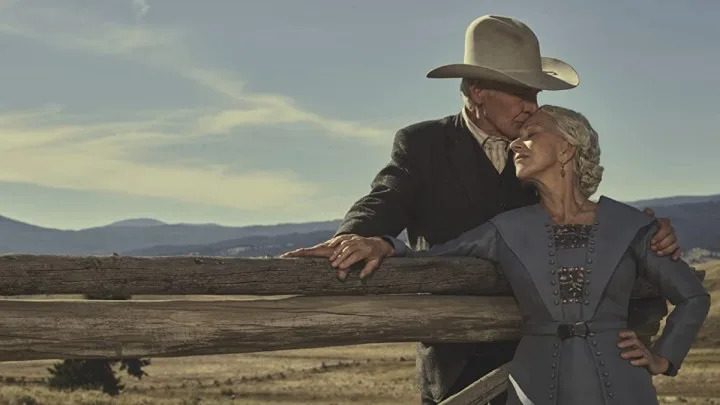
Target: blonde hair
(576, 129)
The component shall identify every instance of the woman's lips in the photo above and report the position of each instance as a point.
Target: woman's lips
(520, 157)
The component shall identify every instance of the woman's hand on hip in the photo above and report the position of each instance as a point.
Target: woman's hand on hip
(639, 354)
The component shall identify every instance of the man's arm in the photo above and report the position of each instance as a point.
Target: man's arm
(386, 210)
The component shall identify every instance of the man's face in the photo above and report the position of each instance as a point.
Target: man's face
(508, 111)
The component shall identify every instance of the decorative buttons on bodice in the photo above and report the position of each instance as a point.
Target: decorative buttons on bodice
(571, 236)
(572, 283)
(571, 280)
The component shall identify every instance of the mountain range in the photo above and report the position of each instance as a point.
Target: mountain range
(696, 220)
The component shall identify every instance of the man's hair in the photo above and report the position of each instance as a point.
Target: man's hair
(465, 86)
(577, 130)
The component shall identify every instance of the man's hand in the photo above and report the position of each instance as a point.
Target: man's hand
(319, 250)
(641, 356)
(346, 250)
(664, 242)
(323, 249)
(350, 250)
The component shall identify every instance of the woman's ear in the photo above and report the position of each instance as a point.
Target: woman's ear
(567, 151)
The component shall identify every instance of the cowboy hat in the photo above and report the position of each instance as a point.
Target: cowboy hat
(504, 50)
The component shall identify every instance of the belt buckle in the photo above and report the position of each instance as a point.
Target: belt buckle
(568, 330)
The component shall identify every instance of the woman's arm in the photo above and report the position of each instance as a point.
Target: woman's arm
(678, 283)
(480, 242)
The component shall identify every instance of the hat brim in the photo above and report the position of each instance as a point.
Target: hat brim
(555, 75)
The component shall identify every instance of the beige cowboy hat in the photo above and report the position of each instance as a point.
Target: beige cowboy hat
(504, 50)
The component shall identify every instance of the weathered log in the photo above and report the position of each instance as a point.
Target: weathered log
(35, 329)
(483, 390)
(86, 329)
(122, 276)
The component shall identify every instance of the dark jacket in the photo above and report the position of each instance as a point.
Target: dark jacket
(438, 184)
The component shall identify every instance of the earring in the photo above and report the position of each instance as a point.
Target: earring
(562, 170)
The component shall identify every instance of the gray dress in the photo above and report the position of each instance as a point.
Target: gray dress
(572, 285)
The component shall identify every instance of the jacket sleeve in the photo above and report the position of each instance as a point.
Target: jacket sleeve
(481, 242)
(387, 209)
(677, 282)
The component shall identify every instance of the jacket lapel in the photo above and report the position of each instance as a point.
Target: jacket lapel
(461, 154)
(525, 231)
(616, 225)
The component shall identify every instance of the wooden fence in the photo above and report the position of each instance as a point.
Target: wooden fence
(428, 299)
(407, 300)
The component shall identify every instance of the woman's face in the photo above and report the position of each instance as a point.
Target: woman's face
(539, 148)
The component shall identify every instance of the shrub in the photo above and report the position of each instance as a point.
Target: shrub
(95, 374)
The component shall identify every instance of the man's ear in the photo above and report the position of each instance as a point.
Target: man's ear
(478, 95)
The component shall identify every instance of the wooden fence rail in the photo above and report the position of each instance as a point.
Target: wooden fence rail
(29, 274)
(433, 299)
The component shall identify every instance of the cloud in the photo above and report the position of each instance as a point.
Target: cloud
(82, 31)
(48, 146)
(44, 156)
(269, 109)
(163, 49)
(140, 8)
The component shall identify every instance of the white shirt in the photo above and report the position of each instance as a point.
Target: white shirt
(495, 147)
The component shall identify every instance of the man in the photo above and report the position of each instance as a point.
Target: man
(450, 175)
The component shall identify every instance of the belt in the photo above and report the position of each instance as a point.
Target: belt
(568, 330)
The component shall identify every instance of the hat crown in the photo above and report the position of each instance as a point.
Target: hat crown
(502, 43)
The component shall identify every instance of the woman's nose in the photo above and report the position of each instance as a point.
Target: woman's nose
(516, 145)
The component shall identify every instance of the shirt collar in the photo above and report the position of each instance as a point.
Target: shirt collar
(478, 133)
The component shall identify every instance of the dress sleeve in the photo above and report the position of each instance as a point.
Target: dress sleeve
(481, 242)
(677, 282)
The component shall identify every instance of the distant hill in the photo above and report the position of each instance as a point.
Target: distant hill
(697, 223)
(696, 219)
(20, 237)
(138, 222)
(250, 246)
(677, 200)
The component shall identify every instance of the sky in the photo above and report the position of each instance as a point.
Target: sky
(242, 112)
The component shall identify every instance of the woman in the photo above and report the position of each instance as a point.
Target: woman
(572, 264)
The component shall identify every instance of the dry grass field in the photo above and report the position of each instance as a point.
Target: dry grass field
(367, 374)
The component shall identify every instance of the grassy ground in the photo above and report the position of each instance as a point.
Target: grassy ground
(367, 374)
